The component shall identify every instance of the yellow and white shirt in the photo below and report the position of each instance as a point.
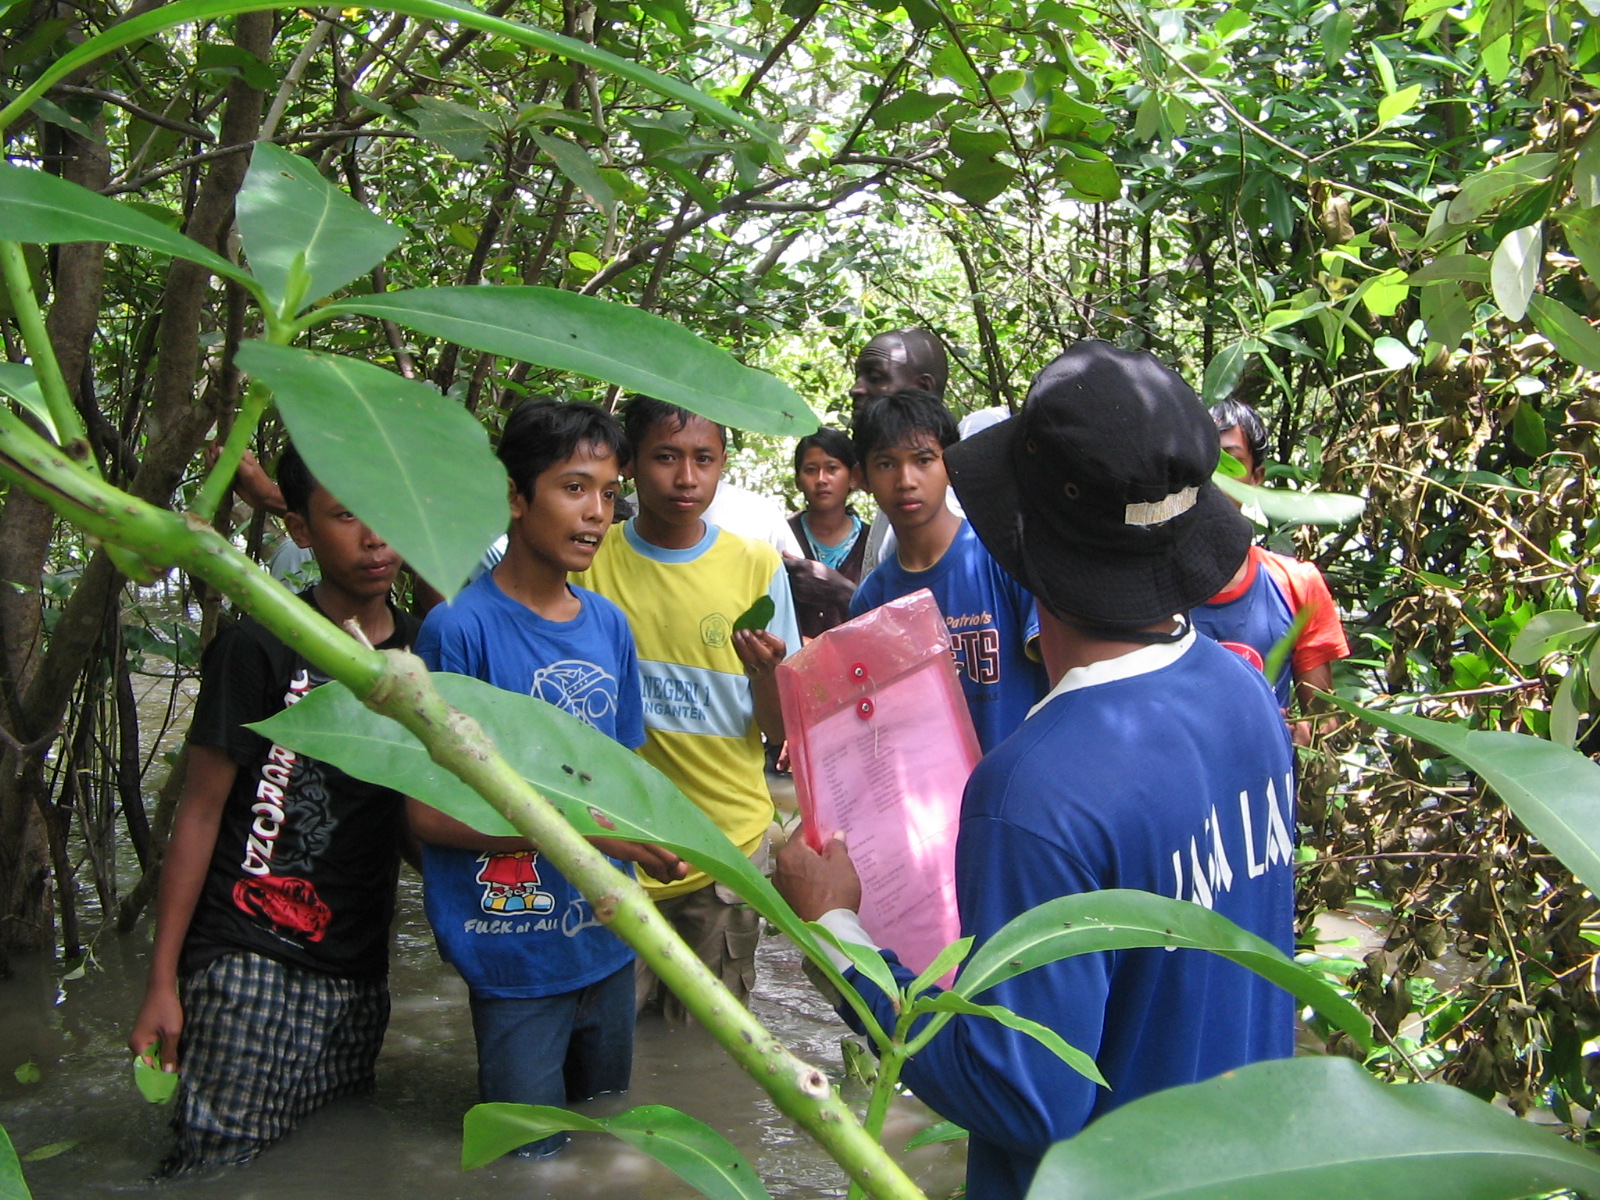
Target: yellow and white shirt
(699, 714)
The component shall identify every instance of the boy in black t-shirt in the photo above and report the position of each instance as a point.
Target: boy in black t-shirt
(268, 982)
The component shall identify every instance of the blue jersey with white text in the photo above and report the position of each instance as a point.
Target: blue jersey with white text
(990, 619)
(511, 923)
(1177, 780)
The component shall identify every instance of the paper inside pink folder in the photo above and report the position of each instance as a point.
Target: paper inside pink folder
(881, 744)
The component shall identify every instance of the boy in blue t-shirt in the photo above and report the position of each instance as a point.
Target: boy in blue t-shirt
(551, 988)
(900, 441)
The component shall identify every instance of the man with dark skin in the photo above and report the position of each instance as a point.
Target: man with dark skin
(896, 360)
(889, 363)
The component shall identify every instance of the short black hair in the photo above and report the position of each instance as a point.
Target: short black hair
(835, 443)
(897, 419)
(641, 413)
(541, 433)
(1236, 414)
(295, 481)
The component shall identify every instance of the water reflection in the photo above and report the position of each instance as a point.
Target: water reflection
(404, 1140)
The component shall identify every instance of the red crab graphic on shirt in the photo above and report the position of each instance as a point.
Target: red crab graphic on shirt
(291, 905)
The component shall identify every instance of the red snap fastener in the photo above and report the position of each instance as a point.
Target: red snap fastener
(864, 709)
(858, 670)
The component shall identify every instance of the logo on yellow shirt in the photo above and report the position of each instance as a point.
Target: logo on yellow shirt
(715, 631)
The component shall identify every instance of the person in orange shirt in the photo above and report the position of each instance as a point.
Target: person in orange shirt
(1261, 601)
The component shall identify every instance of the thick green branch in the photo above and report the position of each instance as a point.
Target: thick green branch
(46, 369)
(399, 686)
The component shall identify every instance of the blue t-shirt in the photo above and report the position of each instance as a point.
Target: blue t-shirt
(511, 923)
(990, 619)
(1180, 781)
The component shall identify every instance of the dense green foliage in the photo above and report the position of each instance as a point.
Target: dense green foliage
(1376, 221)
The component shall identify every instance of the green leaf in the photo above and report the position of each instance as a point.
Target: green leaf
(1574, 338)
(1528, 431)
(939, 1131)
(548, 748)
(18, 382)
(1230, 466)
(1393, 353)
(574, 162)
(758, 616)
(1553, 790)
(1337, 31)
(1004, 83)
(691, 1149)
(1582, 228)
(304, 237)
(1148, 121)
(1546, 633)
(28, 1073)
(1514, 269)
(596, 338)
(1383, 294)
(49, 1150)
(1393, 107)
(1504, 181)
(1566, 709)
(1118, 919)
(1092, 174)
(460, 131)
(1224, 370)
(155, 1085)
(1419, 9)
(1284, 507)
(1384, 68)
(954, 1002)
(866, 960)
(979, 180)
(1499, 18)
(44, 209)
(1272, 666)
(909, 108)
(413, 465)
(1473, 267)
(12, 1184)
(942, 964)
(1312, 1129)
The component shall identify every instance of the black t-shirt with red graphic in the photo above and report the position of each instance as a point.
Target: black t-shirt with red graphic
(306, 856)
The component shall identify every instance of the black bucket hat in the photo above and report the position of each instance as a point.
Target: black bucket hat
(1097, 497)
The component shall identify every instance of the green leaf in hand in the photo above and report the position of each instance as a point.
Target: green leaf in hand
(156, 1085)
(757, 616)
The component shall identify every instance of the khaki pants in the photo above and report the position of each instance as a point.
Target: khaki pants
(722, 931)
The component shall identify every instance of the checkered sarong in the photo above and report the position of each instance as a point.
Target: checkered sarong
(263, 1045)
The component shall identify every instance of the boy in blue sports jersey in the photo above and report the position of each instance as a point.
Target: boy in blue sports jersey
(551, 989)
(900, 440)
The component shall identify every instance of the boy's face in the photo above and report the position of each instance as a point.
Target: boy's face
(676, 470)
(824, 481)
(1235, 443)
(908, 482)
(570, 511)
(353, 559)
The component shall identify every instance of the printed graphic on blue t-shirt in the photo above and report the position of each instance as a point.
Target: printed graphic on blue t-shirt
(1254, 620)
(511, 923)
(990, 619)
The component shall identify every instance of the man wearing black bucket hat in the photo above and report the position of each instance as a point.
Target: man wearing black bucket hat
(1159, 761)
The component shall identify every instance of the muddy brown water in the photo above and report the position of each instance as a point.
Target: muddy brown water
(405, 1140)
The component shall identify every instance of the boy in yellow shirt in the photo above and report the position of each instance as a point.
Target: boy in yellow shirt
(709, 692)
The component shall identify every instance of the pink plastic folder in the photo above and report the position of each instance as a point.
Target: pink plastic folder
(881, 744)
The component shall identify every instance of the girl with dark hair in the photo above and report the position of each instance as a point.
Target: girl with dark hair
(829, 530)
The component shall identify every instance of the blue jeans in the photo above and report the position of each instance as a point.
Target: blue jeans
(556, 1050)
